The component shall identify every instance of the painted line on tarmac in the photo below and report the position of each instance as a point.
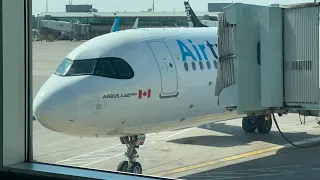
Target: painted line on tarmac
(235, 157)
(102, 159)
(114, 146)
(58, 142)
(70, 159)
(197, 166)
(183, 131)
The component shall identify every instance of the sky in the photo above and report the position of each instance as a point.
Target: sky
(39, 6)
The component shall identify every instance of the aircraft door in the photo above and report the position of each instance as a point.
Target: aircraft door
(167, 67)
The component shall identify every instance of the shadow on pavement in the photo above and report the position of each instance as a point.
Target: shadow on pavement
(297, 164)
(236, 137)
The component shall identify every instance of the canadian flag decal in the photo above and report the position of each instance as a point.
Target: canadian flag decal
(146, 94)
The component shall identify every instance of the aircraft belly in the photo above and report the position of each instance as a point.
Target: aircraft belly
(178, 124)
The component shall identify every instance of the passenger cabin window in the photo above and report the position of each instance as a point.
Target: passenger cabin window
(186, 67)
(201, 65)
(194, 66)
(208, 65)
(114, 68)
(215, 63)
(81, 67)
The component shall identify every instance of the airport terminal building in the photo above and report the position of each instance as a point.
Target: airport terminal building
(101, 22)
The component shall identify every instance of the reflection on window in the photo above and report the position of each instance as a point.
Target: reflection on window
(81, 67)
(63, 67)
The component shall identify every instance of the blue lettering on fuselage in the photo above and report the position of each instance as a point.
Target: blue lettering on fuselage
(199, 50)
(185, 51)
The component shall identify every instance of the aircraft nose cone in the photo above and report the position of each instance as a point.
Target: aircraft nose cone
(55, 107)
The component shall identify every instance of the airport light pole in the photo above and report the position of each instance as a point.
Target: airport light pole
(153, 5)
(46, 5)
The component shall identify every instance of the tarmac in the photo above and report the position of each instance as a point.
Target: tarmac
(212, 151)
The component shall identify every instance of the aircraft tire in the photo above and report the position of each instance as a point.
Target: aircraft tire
(263, 126)
(135, 168)
(123, 166)
(247, 125)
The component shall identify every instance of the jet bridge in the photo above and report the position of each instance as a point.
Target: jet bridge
(75, 29)
(269, 59)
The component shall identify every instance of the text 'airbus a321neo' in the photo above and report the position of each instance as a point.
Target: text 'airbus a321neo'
(133, 82)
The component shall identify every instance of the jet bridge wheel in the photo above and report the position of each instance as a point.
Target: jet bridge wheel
(264, 124)
(248, 124)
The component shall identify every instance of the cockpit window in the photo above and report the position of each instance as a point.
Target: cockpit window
(123, 69)
(110, 67)
(82, 67)
(114, 68)
(105, 68)
(63, 67)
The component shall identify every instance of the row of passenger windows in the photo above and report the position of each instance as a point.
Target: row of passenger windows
(201, 65)
(107, 67)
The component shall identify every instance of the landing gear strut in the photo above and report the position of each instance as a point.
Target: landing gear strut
(132, 143)
(262, 123)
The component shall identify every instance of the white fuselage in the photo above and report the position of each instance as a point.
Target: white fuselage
(161, 95)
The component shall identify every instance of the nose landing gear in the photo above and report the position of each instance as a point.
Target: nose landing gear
(132, 142)
(262, 123)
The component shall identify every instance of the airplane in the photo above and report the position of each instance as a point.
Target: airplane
(133, 82)
(115, 26)
(192, 19)
(135, 25)
(116, 23)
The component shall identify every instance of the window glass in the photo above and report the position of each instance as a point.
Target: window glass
(81, 67)
(215, 63)
(63, 67)
(113, 68)
(213, 18)
(186, 67)
(123, 69)
(201, 65)
(104, 68)
(208, 65)
(194, 66)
